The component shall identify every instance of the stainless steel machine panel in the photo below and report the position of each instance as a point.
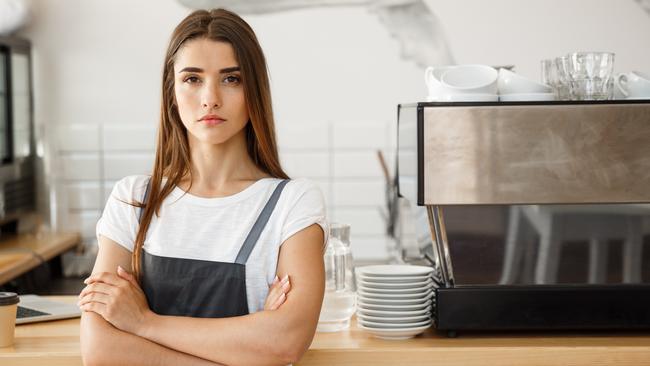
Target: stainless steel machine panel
(528, 153)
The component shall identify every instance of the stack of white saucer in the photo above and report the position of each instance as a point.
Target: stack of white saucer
(394, 301)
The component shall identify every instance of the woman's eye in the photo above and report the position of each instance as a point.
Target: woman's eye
(232, 79)
(191, 79)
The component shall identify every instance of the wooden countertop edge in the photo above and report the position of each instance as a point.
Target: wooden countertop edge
(68, 240)
(480, 356)
(64, 242)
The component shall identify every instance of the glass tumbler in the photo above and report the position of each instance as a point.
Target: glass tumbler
(590, 75)
(549, 75)
(563, 80)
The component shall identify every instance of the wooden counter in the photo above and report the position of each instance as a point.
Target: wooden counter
(20, 253)
(57, 342)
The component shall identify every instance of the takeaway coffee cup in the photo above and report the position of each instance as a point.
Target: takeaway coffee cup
(8, 307)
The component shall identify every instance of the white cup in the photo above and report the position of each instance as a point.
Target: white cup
(634, 85)
(470, 79)
(432, 77)
(511, 83)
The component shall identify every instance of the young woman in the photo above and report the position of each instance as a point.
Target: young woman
(190, 258)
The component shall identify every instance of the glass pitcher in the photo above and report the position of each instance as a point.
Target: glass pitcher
(339, 302)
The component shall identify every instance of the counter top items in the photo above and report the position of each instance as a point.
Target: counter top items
(514, 87)
(581, 75)
(590, 75)
(633, 85)
(8, 306)
(34, 308)
(339, 301)
(461, 83)
(481, 83)
(394, 301)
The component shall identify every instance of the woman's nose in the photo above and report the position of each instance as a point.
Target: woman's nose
(211, 97)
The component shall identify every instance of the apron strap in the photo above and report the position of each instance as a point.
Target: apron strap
(146, 193)
(258, 227)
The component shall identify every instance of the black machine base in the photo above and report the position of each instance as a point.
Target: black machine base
(543, 307)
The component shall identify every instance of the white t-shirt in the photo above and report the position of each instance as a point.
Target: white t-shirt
(215, 228)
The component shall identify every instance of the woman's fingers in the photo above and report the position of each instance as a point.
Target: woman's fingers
(96, 287)
(279, 301)
(94, 297)
(285, 287)
(277, 293)
(274, 293)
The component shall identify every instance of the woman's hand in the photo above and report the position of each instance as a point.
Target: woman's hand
(118, 299)
(277, 293)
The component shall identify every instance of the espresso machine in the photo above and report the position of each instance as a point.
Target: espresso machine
(534, 181)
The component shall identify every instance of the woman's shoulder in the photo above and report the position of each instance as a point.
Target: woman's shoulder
(131, 187)
(301, 186)
(303, 191)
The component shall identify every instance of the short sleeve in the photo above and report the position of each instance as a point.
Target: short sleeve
(307, 208)
(119, 221)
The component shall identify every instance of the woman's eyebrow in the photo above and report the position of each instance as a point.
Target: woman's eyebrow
(222, 71)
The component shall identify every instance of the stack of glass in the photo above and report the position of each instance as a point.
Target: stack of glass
(581, 76)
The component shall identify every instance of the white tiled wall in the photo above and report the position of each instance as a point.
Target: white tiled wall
(340, 157)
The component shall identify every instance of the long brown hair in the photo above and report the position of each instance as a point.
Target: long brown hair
(172, 148)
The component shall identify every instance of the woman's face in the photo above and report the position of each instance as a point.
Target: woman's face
(209, 91)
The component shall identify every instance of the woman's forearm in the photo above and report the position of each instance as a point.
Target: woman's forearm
(262, 338)
(103, 344)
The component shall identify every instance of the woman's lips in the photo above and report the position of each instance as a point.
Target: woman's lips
(212, 121)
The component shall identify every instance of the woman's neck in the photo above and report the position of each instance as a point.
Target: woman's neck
(220, 170)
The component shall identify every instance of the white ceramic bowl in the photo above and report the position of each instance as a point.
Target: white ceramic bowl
(432, 77)
(511, 83)
(470, 79)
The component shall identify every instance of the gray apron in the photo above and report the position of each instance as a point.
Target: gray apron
(200, 288)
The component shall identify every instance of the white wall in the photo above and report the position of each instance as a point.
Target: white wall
(336, 79)
(522, 33)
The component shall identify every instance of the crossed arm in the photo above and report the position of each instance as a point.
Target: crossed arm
(273, 337)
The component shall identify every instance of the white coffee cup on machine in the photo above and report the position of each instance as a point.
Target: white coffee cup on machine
(470, 79)
(432, 79)
(634, 85)
(511, 83)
